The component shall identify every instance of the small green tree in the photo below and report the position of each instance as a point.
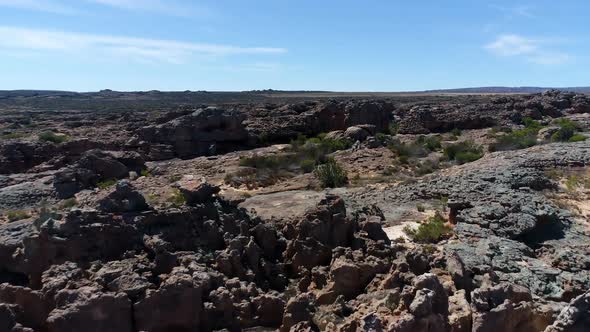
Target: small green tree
(331, 174)
(49, 136)
(431, 231)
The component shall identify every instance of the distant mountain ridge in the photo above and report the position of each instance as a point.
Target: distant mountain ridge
(505, 89)
(112, 93)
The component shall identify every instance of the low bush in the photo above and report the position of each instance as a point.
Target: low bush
(381, 138)
(16, 215)
(517, 139)
(331, 174)
(463, 152)
(426, 167)
(393, 128)
(304, 155)
(567, 130)
(49, 136)
(577, 138)
(408, 150)
(574, 181)
(456, 132)
(68, 203)
(430, 143)
(431, 231)
(176, 198)
(106, 183)
(307, 165)
(12, 136)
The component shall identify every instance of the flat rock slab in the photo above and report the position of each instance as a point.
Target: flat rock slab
(283, 206)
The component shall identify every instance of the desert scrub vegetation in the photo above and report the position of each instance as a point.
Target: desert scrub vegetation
(303, 156)
(68, 204)
(145, 172)
(508, 139)
(106, 183)
(463, 152)
(176, 198)
(433, 230)
(50, 136)
(331, 174)
(575, 181)
(13, 135)
(421, 147)
(16, 215)
(404, 151)
(567, 132)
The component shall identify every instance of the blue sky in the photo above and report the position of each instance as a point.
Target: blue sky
(343, 45)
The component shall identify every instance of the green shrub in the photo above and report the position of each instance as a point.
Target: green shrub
(12, 136)
(463, 152)
(68, 203)
(381, 137)
(530, 123)
(49, 136)
(393, 129)
(577, 138)
(408, 150)
(430, 143)
(404, 160)
(307, 165)
(331, 175)
(431, 231)
(145, 172)
(426, 167)
(15, 215)
(464, 157)
(176, 198)
(456, 132)
(518, 139)
(106, 183)
(299, 141)
(567, 130)
(420, 208)
(175, 178)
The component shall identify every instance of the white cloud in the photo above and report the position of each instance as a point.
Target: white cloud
(40, 5)
(509, 45)
(531, 49)
(515, 11)
(158, 6)
(118, 47)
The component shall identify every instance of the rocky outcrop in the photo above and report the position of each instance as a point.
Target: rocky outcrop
(575, 317)
(197, 191)
(506, 110)
(286, 122)
(22, 156)
(116, 266)
(93, 167)
(206, 131)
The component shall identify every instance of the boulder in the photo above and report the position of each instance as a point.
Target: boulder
(90, 310)
(196, 191)
(176, 305)
(575, 317)
(124, 198)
